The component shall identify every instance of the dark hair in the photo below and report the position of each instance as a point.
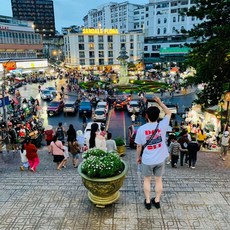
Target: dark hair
(60, 124)
(153, 113)
(102, 128)
(28, 140)
(55, 138)
(71, 126)
(109, 136)
(94, 128)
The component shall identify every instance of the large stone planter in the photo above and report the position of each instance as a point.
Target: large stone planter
(103, 191)
(121, 150)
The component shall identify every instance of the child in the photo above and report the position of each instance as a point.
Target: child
(174, 150)
(24, 160)
(66, 156)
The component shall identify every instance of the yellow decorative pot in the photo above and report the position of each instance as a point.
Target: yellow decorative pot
(103, 191)
(121, 150)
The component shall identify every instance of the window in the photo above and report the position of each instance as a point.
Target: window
(110, 46)
(158, 31)
(123, 38)
(101, 46)
(101, 62)
(81, 54)
(91, 61)
(81, 46)
(173, 30)
(145, 48)
(91, 46)
(165, 30)
(110, 38)
(80, 38)
(82, 61)
(101, 53)
(110, 54)
(165, 20)
(91, 38)
(131, 46)
(182, 18)
(91, 54)
(100, 38)
(159, 21)
(110, 61)
(174, 19)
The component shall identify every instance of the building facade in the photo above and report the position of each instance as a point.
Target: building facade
(123, 16)
(40, 12)
(18, 40)
(160, 20)
(101, 47)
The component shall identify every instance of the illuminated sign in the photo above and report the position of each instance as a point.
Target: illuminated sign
(99, 31)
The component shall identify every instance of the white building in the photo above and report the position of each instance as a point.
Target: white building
(101, 47)
(123, 16)
(160, 21)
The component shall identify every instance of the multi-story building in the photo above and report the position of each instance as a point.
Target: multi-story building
(41, 12)
(101, 47)
(18, 39)
(160, 20)
(123, 16)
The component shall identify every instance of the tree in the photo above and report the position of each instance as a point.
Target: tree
(210, 54)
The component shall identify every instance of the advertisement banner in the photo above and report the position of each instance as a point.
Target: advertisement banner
(7, 101)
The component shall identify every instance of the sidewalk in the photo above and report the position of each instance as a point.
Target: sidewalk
(51, 199)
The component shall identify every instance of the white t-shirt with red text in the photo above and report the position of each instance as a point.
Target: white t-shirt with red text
(156, 152)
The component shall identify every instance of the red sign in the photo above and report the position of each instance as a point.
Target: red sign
(11, 65)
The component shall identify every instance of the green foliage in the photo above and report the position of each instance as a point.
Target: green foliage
(210, 54)
(119, 141)
(100, 164)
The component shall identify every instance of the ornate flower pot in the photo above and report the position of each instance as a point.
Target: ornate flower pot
(103, 191)
(121, 150)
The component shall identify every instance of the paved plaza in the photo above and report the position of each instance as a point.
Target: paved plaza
(51, 199)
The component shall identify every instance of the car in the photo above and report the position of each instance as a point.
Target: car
(55, 107)
(133, 107)
(99, 115)
(70, 107)
(120, 103)
(46, 95)
(103, 105)
(52, 90)
(85, 107)
(88, 130)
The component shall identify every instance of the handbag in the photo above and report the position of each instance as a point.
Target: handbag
(150, 139)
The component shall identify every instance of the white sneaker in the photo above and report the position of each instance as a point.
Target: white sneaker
(193, 167)
(223, 159)
(168, 162)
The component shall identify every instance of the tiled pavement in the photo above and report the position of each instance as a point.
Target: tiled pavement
(50, 199)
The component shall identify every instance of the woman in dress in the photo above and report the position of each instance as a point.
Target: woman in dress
(96, 139)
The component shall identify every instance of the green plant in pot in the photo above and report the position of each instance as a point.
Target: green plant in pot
(120, 145)
(103, 174)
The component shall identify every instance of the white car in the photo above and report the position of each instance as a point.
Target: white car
(52, 90)
(46, 95)
(99, 115)
(88, 130)
(103, 105)
(133, 107)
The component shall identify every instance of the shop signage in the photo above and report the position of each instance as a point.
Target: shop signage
(11, 65)
(6, 100)
(99, 31)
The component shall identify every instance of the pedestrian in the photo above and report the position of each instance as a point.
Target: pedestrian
(57, 151)
(24, 159)
(60, 132)
(183, 140)
(193, 148)
(75, 150)
(110, 143)
(96, 140)
(174, 151)
(31, 154)
(49, 134)
(13, 136)
(133, 118)
(71, 134)
(201, 136)
(66, 156)
(156, 151)
(80, 139)
(224, 145)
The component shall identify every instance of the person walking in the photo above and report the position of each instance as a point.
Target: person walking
(60, 132)
(49, 134)
(110, 143)
(31, 154)
(156, 151)
(174, 150)
(75, 150)
(183, 140)
(57, 151)
(71, 134)
(224, 143)
(193, 148)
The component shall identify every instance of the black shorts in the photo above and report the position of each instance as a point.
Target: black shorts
(58, 158)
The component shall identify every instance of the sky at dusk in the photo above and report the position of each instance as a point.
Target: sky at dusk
(68, 12)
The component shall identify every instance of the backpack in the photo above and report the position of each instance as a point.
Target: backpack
(175, 150)
(60, 133)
